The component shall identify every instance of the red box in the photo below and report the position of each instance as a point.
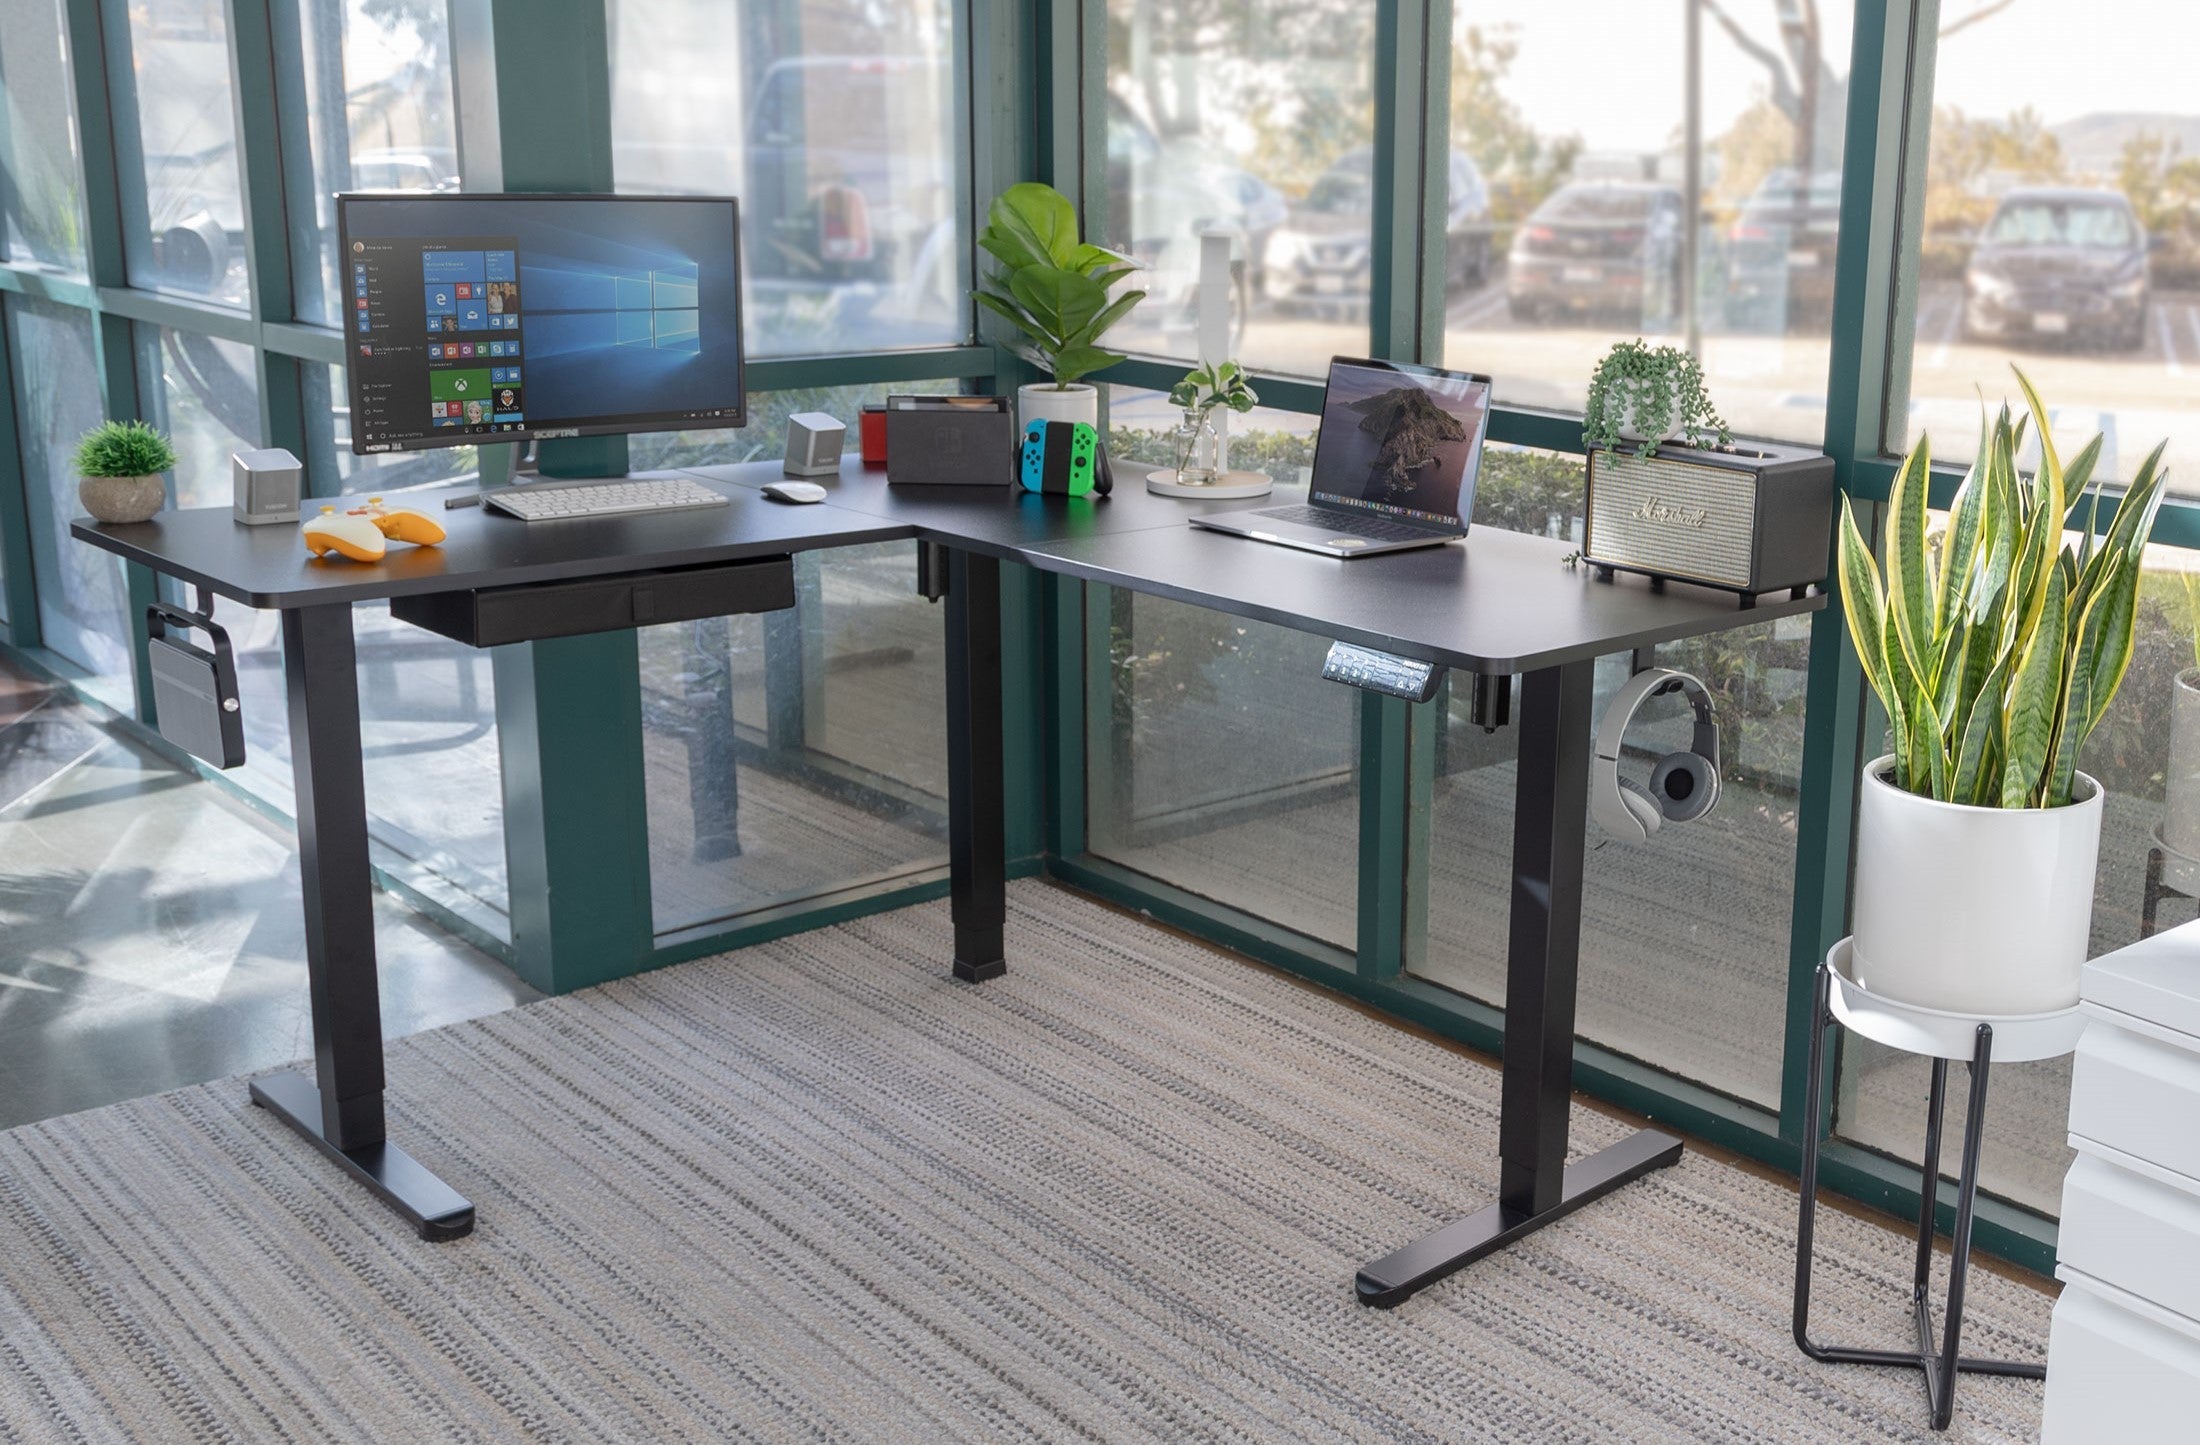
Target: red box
(872, 424)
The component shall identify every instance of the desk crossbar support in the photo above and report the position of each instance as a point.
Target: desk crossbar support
(1535, 1186)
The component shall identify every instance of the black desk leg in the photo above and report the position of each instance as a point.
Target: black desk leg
(1535, 1185)
(977, 844)
(342, 1115)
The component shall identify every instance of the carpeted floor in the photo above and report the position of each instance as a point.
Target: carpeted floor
(817, 1190)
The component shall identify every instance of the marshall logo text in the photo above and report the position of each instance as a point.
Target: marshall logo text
(1653, 510)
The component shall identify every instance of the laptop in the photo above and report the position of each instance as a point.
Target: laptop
(1395, 462)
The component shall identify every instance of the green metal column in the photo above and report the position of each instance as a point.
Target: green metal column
(569, 711)
(1878, 147)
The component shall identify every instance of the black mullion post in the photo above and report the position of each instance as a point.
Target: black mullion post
(976, 837)
(1549, 833)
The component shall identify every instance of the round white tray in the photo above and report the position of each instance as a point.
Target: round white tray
(1936, 1033)
(1229, 486)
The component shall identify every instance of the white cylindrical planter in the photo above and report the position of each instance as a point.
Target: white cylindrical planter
(1044, 401)
(1973, 910)
(2181, 815)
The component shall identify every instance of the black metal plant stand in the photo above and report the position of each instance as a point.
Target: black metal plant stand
(1940, 1362)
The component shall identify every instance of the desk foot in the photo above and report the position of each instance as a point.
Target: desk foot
(432, 1207)
(980, 972)
(1395, 1278)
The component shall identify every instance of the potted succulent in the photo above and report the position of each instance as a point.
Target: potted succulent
(1059, 291)
(1995, 653)
(120, 466)
(2181, 814)
(1198, 444)
(1647, 394)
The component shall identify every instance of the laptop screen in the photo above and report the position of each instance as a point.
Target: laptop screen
(1401, 440)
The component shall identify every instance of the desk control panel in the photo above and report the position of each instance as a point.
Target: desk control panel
(1383, 672)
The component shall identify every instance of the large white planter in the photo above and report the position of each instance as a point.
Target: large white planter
(1978, 911)
(2181, 817)
(1044, 401)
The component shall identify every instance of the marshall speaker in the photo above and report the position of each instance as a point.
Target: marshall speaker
(1756, 519)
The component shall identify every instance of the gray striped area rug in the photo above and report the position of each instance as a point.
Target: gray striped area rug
(816, 1190)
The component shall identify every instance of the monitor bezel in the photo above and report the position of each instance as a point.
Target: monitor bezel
(1456, 526)
(739, 419)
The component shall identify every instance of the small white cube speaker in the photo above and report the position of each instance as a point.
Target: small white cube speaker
(813, 444)
(268, 483)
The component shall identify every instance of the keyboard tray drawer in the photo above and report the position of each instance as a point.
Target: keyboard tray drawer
(493, 616)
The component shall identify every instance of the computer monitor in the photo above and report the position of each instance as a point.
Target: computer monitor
(1402, 440)
(473, 318)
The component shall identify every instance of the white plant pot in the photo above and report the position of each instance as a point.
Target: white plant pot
(1632, 429)
(1044, 401)
(1979, 911)
(2181, 817)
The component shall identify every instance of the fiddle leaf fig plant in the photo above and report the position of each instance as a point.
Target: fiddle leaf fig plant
(1653, 392)
(1207, 387)
(1058, 290)
(123, 449)
(1997, 652)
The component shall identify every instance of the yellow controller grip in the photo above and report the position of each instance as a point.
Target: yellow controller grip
(407, 525)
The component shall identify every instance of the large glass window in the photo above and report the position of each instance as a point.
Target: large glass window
(835, 124)
(1577, 219)
(41, 188)
(2062, 231)
(1257, 120)
(1218, 760)
(83, 602)
(186, 228)
(378, 117)
(796, 753)
(1700, 911)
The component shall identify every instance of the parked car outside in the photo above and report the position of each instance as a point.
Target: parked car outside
(432, 168)
(1780, 252)
(2059, 264)
(1321, 252)
(1610, 248)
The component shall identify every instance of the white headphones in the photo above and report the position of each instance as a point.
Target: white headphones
(1683, 786)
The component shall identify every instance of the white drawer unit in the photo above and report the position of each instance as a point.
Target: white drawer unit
(2123, 1356)
(2132, 1225)
(2118, 1369)
(2137, 1093)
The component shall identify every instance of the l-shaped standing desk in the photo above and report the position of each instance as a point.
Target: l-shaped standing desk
(1499, 605)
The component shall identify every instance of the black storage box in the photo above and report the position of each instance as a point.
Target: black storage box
(494, 616)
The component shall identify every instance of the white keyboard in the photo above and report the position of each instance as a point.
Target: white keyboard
(535, 502)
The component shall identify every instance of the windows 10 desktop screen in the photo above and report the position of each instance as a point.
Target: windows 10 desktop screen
(475, 318)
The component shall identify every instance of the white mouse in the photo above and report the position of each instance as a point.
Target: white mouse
(794, 491)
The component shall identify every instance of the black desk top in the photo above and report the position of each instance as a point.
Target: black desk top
(269, 566)
(1497, 603)
(1003, 521)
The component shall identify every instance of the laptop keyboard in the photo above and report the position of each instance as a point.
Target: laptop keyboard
(1357, 524)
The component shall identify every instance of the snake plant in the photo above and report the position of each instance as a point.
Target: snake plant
(1997, 651)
